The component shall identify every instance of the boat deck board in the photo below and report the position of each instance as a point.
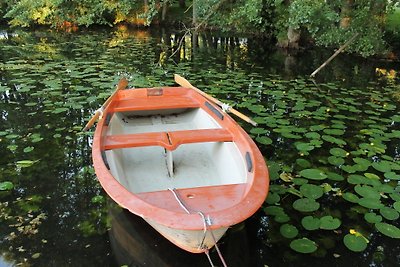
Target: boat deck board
(168, 140)
(205, 199)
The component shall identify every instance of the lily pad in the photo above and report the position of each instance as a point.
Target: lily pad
(288, 231)
(306, 205)
(350, 197)
(313, 174)
(6, 186)
(370, 203)
(355, 243)
(310, 223)
(303, 245)
(389, 213)
(372, 217)
(367, 191)
(264, 140)
(338, 152)
(311, 191)
(329, 223)
(388, 230)
(337, 161)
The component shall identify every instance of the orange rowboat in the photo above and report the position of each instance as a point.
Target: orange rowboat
(177, 160)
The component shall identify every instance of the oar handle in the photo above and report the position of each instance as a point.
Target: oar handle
(185, 83)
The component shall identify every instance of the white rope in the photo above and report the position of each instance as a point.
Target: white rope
(225, 107)
(206, 222)
(100, 110)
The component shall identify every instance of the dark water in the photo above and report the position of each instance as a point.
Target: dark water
(57, 214)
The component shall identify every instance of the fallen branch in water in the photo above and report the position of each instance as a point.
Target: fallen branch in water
(334, 55)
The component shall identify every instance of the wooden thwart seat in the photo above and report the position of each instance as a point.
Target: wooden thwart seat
(168, 140)
(155, 103)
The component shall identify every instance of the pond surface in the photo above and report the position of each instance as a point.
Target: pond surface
(332, 146)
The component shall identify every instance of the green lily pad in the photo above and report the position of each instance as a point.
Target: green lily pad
(273, 198)
(389, 213)
(306, 205)
(329, 223)
(303, 245)
(367, 191)
(382, 166)
(304, 146)
(6, 186)
(335, 176)
(28, 149)
(338, 152)
(311, 191)
(303, 163)
(350, 197)
(313, 174)
(392, 176)
(396, 206)
(335, 160)
(310, 223)
(372, 217)
(355, 243)
(288, 231)
(258, 131)
(388, 230)
(313, 135)
(273, 210)
(370, 203)
(25, 163)
(97, 199)
(264, 140)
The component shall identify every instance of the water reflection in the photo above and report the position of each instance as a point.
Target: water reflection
(136, 243)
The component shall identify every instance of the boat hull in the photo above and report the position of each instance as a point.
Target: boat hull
(178, 161)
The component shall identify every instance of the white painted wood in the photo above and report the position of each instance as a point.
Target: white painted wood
(145, 169)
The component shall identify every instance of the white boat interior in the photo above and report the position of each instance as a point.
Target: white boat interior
(153, 168)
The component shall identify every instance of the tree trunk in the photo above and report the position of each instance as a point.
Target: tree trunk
(164, 10)
(195, 13)
(346, 13)
(293, 36)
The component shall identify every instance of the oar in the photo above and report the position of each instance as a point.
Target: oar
(122, 84)
(185, 83)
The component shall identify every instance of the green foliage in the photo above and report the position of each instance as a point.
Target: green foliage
(332, 23)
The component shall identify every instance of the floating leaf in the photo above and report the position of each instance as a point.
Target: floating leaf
(264, 140)
(396, 206)
(36, 255)
(311, 191)
(329, 223)
(338, 152)
(25, 163)
(303, 245)
(5, 186)
(372, 217)
(367, 191)
(351, 197)
(313, 174)
(306, 205)
(388, 230)
(392, 176)
(288, 231)
(334, 176)
(389, 213)
(310, 223)
(97, 199)
(28, 149)
(303, 163)
(273, 198)
(370, 203)
(335, 160)
(382, 166)
(355, 243)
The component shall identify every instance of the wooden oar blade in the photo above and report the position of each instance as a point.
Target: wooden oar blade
(182, 81)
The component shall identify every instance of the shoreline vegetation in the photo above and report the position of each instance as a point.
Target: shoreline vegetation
(291, 24)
